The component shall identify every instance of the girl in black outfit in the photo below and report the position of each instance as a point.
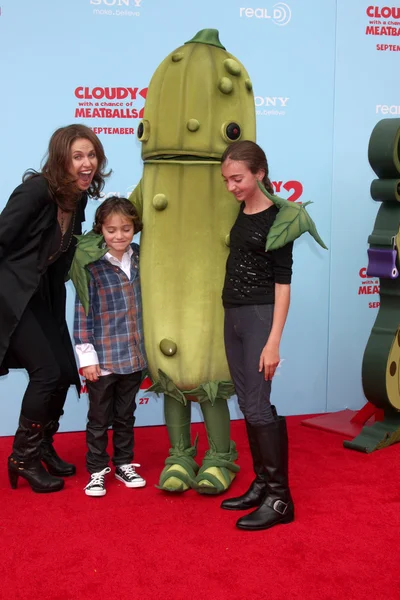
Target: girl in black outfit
(37, 242)
(256, 299)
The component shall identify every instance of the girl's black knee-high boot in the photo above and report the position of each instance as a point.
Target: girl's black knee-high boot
(277, 505)
(258, 487)
(25, 459)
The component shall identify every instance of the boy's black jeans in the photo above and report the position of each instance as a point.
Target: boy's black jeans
(111, 402)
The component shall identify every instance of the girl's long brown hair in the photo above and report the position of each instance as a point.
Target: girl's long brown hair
(254, 157)
(57, 161)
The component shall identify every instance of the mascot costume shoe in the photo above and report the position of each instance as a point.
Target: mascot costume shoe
(200, 100)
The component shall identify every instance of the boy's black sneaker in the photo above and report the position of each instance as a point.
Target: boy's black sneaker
(127, 474)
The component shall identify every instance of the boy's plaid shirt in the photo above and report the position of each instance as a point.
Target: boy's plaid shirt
(114, 324)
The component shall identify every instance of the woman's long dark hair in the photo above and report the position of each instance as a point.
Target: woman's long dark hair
(254, 157)
(57, 162)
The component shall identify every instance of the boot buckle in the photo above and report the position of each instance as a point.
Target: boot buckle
(280, 507)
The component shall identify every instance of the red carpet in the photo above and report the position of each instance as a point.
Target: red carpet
(146, 544)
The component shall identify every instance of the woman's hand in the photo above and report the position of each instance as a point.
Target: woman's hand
(269, 360)
(91, 373)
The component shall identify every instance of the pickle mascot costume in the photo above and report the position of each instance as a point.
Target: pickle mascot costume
(200, 99)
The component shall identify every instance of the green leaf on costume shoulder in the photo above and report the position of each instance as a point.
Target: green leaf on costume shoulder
(285, 228)
(308, 225)
(88, 249)
(291, 222)
(277, 200)
(80, 279)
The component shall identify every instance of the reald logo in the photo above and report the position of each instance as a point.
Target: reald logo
(386, 109)
(280, 13)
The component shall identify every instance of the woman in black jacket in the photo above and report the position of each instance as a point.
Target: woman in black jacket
(37, 242)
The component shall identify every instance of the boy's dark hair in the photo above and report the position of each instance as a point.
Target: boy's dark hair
(115, 204)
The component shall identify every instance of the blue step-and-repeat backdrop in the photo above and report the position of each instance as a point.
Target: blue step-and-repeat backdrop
(323, 74)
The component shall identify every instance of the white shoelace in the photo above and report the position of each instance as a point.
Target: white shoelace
(97, 478)
(129, 470)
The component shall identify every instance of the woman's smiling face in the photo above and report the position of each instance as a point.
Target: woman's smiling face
(83, 163)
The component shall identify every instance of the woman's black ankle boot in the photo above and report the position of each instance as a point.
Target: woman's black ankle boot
(25, 459)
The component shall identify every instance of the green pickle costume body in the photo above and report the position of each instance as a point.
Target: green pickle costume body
(199, 100)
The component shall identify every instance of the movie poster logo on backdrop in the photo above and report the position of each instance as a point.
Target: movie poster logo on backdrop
(279, 13)
(384, 21)
(117, 8)
(294, 187)
(110, 103)
(369, 287)
(270, 106)
(387, 109)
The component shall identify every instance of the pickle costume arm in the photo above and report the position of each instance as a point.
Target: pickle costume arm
(88, 249)
(291, 222)
(136, 198)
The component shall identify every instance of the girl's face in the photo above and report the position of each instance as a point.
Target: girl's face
(118, 232)
(83, 163)
(239, 180)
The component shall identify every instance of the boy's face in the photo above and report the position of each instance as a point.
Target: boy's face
(118, 232)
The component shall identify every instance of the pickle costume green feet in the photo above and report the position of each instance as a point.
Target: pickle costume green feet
(218, 469)
(180, 467)
(181, 471)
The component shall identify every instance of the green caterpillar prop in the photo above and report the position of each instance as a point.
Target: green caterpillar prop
(199, 100)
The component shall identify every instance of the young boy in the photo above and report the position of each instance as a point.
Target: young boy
(110, 347)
